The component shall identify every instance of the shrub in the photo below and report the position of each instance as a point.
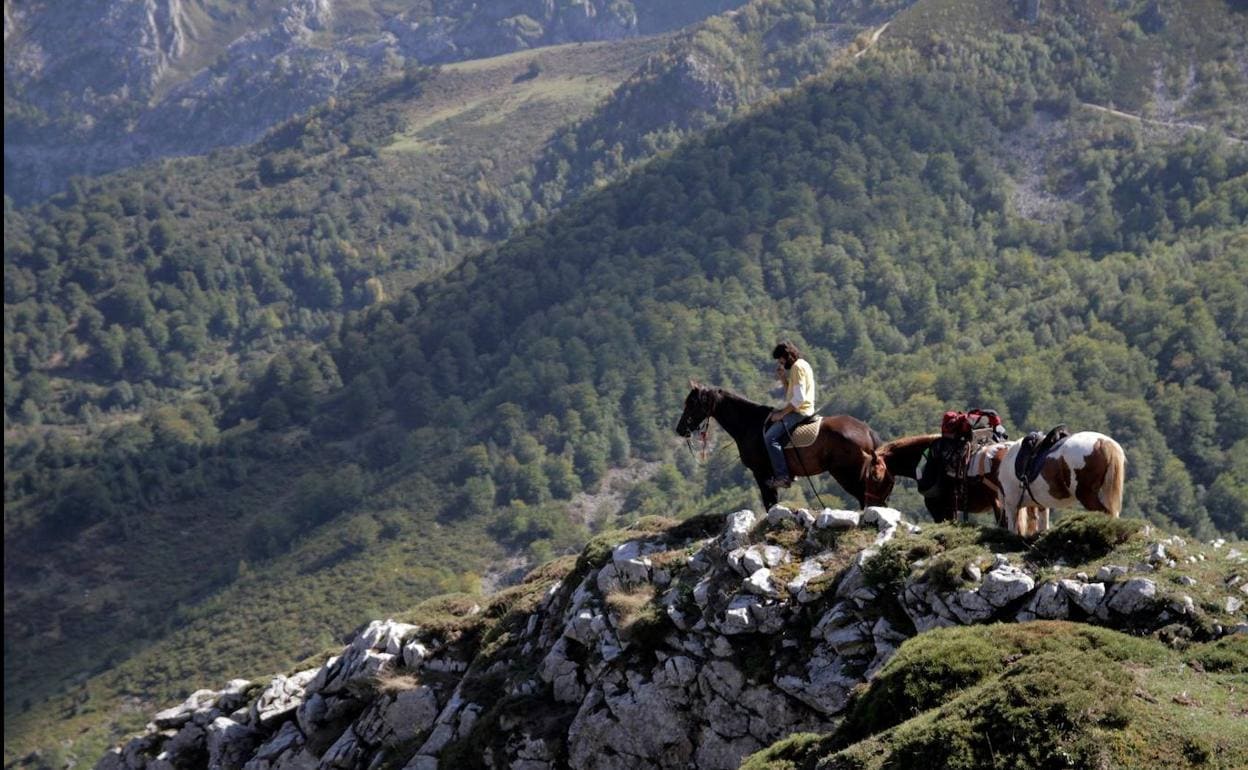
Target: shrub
(1084, 536)
(1230, 654)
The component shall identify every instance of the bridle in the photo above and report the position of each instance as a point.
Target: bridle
(703, 429)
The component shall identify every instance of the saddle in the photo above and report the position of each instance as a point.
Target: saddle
(805, 433)
(1035, 447)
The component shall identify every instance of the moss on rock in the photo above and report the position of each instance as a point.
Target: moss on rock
(1037, 695)
(1082, 536)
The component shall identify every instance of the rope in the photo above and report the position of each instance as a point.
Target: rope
(702, 431)
(800, 464)
(959, 489)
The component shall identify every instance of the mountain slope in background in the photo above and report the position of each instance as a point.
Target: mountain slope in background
(98, 86)
(358, 199)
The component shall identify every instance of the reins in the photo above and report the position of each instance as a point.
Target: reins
(798, 456)
(702, 431)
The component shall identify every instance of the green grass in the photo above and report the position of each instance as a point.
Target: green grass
(1034, 695)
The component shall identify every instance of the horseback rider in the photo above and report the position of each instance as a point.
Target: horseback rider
(799, 405)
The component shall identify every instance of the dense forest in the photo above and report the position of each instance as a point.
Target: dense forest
(884, 217)
(167, 278)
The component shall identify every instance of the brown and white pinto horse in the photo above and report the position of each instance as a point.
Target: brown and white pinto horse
(1088, 469)
(844, 448)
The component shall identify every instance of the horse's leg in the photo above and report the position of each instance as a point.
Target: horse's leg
(1044, 520)
(1012, 503)
(770, 496)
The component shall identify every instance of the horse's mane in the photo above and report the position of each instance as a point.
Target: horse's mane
(720, 394)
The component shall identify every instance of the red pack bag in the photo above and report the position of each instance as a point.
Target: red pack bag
(955, 424)
(983, 418)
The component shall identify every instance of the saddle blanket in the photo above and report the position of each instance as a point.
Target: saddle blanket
(805, 434)
(983, 460)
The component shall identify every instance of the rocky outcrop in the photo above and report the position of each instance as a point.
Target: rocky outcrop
(691, 645)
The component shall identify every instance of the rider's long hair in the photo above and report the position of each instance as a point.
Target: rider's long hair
(787, 352)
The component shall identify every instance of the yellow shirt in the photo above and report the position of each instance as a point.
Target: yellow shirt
(801, 390)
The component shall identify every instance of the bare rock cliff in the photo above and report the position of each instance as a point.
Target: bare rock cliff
(665, 646)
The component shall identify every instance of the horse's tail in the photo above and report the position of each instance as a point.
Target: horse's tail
(1115, 474)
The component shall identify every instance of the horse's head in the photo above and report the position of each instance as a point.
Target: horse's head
(879, 481)
(699, 405)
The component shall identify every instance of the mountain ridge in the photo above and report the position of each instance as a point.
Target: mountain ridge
(665, 644)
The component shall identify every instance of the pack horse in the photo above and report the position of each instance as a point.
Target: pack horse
(1083, 469)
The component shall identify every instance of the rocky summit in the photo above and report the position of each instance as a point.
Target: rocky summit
(690, 644)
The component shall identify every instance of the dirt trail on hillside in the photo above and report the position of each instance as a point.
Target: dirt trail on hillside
(1158, 123)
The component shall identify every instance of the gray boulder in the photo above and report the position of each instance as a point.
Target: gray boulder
(1135, 595)
(230, 744)
(1004, 584)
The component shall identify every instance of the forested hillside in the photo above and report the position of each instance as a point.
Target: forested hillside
(173, 277)
(945, 223)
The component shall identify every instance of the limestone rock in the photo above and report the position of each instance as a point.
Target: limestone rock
(752, 560)
(229, 744)
(1133, 596)
(1005, 584)
(774, 556)
(970, 606)
(1109, 573)
(836, 519)
(760, 583)
(737, 617)
(807, 571)
(738, 529)
(778, 514)
(1049, 602)
(200, 700)
(281, 697)
(882, 518)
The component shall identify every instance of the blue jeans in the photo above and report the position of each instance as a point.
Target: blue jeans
(776, 435)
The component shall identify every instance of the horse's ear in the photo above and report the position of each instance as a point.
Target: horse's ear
(694, 384)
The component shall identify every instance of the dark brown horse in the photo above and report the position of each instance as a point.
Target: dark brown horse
(981, 491)
(845, 446)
